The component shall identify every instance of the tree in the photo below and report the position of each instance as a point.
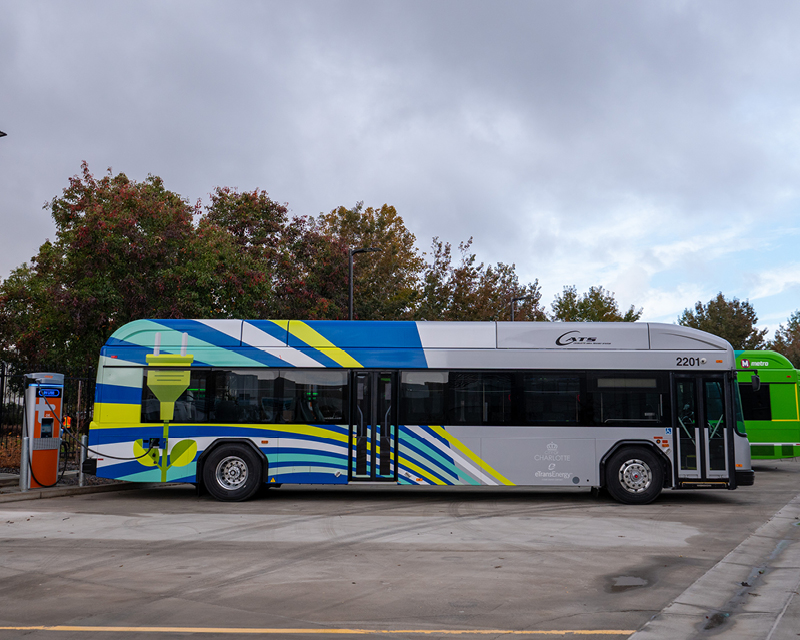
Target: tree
(123, 250)
(385, 282)
(239, 234)
(596, 305)
(733, 320)
(311, 273)
(270, 265)
(471, 291)
(787, 340)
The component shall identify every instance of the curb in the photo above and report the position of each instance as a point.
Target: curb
(766, 563)
(12, 480)
(58, 492)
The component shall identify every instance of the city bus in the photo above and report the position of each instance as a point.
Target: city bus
(771, 412)
(232, 405)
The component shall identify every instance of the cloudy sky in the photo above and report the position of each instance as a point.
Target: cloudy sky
(651, 147)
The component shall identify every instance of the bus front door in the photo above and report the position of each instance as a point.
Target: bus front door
(701, 430)
(373, 426)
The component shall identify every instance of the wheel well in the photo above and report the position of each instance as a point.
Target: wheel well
(666, 464)
(221, 442)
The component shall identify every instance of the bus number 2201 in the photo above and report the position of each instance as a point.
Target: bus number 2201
(688, 362)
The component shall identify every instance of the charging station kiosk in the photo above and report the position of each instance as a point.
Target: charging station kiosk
(41, 430)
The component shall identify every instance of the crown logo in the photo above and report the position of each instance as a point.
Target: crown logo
(552, 447)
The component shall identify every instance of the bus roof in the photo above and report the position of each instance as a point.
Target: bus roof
(590, 336)
(761, 359)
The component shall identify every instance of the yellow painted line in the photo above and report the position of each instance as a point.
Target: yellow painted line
(319, 342)
(253, 631)
(467, 452)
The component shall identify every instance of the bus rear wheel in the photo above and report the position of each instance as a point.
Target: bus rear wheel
(634, 475)
(232, 473)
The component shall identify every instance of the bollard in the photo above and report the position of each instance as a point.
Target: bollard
(84, 444)
(24, 461)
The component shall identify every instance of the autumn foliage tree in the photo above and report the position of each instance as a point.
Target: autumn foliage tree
(262, 263)
(126, 250)
(732, 319)
(596, 305)
(473, 291)
(386, 281)
(787, 339)
(123, 250)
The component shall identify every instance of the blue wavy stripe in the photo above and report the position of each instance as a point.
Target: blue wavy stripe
(319, 356)
(374, 358)
(262, 358)
(192, 478)
(431, 434)
(311, 478)
(195, 431)
(299, 457)
(431, 467)
(124, 470)
(116, 394)
(312, 438)
(269, 327)
(432, 461)
(412, 440)
(359, 335)
(136, 354)
(195, 329)
(152, 474)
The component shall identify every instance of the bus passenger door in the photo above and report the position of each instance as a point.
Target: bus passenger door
(373, 426)
(701, 428)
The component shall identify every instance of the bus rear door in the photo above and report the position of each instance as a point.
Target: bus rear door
(373, 426)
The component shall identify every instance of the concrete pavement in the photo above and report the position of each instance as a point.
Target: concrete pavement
(309, 561)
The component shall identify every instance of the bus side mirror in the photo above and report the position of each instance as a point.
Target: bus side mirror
(756, 382)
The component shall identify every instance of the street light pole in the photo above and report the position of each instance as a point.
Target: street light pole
(352, 253)
(513, 300)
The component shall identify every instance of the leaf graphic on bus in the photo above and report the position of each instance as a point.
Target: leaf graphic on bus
(183, 453)
(149, 460)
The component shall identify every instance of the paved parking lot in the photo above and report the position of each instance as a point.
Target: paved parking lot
(303, 562)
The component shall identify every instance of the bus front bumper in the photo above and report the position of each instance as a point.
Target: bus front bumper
(745, 478)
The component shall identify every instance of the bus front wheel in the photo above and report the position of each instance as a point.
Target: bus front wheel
(634, 475)
(232, 473)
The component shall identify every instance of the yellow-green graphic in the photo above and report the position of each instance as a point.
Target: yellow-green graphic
(168, 385)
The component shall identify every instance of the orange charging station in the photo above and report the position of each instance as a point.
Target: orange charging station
(42, 429)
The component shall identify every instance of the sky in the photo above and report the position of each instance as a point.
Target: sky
(652, 148)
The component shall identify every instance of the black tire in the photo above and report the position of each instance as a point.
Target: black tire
(232, 473)
(634, 475)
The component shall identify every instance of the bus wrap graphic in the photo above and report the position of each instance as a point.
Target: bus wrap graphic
(438, 403)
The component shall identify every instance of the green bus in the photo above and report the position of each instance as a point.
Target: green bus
(771, 412)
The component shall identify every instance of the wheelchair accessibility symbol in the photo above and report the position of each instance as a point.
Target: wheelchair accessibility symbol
(668, 431)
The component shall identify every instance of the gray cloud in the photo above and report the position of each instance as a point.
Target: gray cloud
(555, 133)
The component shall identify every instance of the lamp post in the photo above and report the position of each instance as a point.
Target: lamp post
(352, 253)
(513, 300)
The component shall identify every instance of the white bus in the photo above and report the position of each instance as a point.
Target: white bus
(228, 405)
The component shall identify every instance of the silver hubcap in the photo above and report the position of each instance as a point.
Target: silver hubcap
(231, 473)
(635, 476)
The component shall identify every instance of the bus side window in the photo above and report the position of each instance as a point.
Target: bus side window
(551, 399)
(314, 397)
(755, 404)
(479, 398)
(628, 400)
(422, 396)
